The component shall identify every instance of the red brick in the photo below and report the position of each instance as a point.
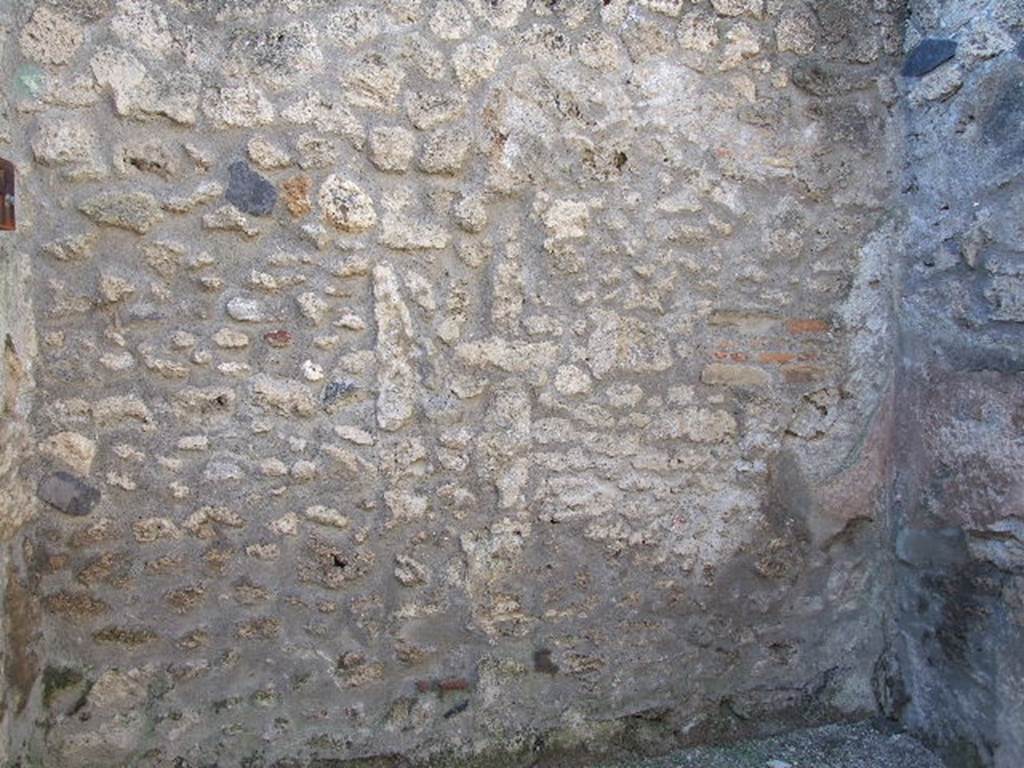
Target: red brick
(807, 325)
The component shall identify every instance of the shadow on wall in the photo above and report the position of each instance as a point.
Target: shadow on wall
(958, 512)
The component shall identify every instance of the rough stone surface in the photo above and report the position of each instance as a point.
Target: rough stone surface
(958, 520)
(928, 55)
(68, 493)
(558, 405)
(248, 191)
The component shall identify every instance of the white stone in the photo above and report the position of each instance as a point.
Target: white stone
(245, 310)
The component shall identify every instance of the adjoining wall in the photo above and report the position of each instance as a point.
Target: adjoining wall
(435, 376)
(959, 498)
(19, 659)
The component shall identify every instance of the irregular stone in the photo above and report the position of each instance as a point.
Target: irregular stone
(267, 156)
(325, 115)
(373, 82)
(137, 94)
(149, 156)
(245, 310)
(248, 191)
(203, 403)
(1006, 297)
(698, 31)
(278, 55)
(229, 219)
(451, 20)
(626, 344)
(406, 506)
(741, 43)
(296, 195)
(287, 397)
(392, 148)
(322, 515)
(143, 25)
(206, 192)
(227, 338)
(317, 151)
(733, 375)
(986, 40)
(738, 7)
(312, 371)
(572, 380)
(346, 206)
(67, 493)
(444, 151)
(509, 355)
(60, 142)
(702, 425)
(567, 219)
(796, 32)
(134, 211)
(312, 307)
(279, 339)
(354, 25)
(476, 61)
(404, 234)
(113, 289)
(428, 110)
(50, 37)
(151, 529)
(396, 379)
(928, 55)
(937, 85)
(70, 248)
(354, 435)
(204, 522)
(470, 213)
(74, 605)
(129, 636)
(242, 106)
(671, 8)
(335, 391)
(410, 572)
(121, 409)
(75, 450)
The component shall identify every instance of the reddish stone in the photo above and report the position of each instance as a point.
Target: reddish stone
(278, 338)
(296, 195)
(453, 684)
(778, 358)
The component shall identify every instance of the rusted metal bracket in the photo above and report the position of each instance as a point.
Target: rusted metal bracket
(6, 195)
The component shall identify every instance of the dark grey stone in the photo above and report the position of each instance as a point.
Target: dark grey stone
(1020, 49)
(927, 55)
(335, 390)
(248, 191)
(70, 494)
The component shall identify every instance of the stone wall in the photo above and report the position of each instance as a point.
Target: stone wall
(958, 501)
(18, 659)
(421, 379)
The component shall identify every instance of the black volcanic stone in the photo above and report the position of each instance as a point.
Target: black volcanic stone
(248, 191)
(69, 494)
(928, 55)
(335, 390)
